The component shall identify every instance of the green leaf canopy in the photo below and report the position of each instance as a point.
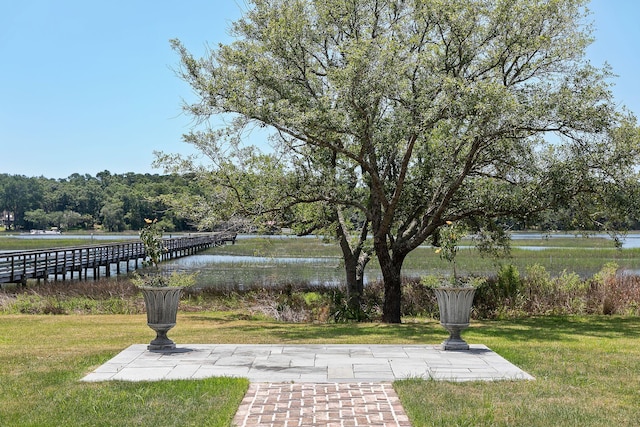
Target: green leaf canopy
(434, 110)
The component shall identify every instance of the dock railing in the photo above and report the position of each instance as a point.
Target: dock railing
(63, 263)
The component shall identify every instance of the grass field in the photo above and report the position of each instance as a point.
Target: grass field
(586, 371)
(585, 368)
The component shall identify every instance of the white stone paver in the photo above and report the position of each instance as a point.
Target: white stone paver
(308, 363)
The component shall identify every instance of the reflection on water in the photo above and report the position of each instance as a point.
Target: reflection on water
(243, 272)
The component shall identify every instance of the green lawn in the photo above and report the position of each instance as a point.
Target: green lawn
(586, 369)
(587, 374)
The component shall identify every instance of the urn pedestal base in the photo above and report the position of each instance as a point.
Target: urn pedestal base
(161, 342)
(455, 341)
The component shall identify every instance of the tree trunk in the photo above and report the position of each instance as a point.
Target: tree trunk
(391, 268)
(355, 286)
(355, 261)
(391, 309)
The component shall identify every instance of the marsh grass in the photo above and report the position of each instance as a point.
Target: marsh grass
(585, 256)
(104, 296)
(509, 294)
(564, 242)
(281, 247)
(583, 261)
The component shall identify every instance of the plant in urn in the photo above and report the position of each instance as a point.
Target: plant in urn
(161, 292)
(454, 296)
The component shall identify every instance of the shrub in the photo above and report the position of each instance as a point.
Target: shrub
(508, 282)
(290, 303)
(614, 292)
(565, 294)
(499, 296)
(418, 298)
(370, 304)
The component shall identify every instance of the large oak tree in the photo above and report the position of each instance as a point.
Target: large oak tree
(419, 112)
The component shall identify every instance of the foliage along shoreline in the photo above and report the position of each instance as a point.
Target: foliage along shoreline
(120, 202)
(109, 202)
(507, 295)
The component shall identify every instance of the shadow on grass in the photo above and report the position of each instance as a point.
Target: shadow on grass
(560, 328)
(419, 333)
(534, 329)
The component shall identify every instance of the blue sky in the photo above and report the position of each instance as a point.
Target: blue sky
(88, 85)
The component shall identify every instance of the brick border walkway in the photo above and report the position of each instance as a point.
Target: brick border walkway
(327, 405)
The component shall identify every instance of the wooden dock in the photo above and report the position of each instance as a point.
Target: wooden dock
(94, 260)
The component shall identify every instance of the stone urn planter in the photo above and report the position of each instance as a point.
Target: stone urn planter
(161, 291)
(455, 309)
(162, 310)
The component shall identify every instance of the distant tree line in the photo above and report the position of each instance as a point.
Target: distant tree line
(121, 202)
(113, 202)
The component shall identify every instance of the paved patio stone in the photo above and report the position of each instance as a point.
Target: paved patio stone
(298, 363)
